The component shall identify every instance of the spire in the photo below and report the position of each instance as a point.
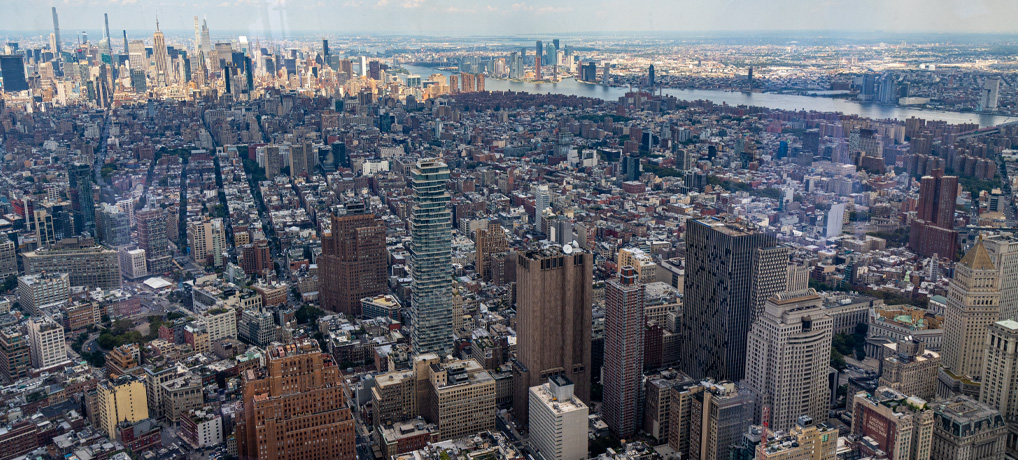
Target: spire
(157, 23)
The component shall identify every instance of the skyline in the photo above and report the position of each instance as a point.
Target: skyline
(495, 17)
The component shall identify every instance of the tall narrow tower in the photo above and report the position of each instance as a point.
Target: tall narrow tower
(56, 32)
(163, 75)
(431, 259)
(623, 352)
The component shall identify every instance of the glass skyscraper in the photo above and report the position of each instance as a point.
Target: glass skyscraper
(431, 259)
(79, 176)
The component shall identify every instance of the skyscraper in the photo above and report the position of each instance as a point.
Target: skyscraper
(650, 77)
(325, 47)
(553, 314)
(788, 356)
(12, 69)
(206, 239)
(489, 240)
(973, 304)
(537, 59)
(353, 261)
(79, 177)
(152, 238)
(295, 408)
(990, 93)
(56, 33)
(163, 74)
(770, 276)
(542, 198)
(932, 231)
(718, 299)
(1000, 376)
(431, 259)
(1003, 250)
(623, 352)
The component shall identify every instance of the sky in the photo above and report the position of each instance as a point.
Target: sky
(275, 18)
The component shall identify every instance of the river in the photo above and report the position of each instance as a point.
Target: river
(572, 87)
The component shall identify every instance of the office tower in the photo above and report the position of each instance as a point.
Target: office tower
(325, 47)
(207, 240)
(835, 220)
(805, 441)
(137, 56)
(163, 74)
(718, 298)
(964, 429)
(197, 35)
(749, 78)
(788, 358)
(908, 367)
(46, 342)
(8, 258)
(295, 408)
(364, 66)
(15, 356)
(45, 231)
(707, 419)
(932, 231)
(431, 259)
(152, 238)
(650, 77)
(257, 259)
(112, 226)
(487, 241)
(119, 400)
(973, 303)
(56, 33)
(126, 49)
(91, 266)
(539, 53)
(256, 327)
(630, 168)
(12, 69)
(542, 200)
(109, 39)
(606, 74)
(623, 353)
(990, 93)
(352, 265)
(558, 420)
(1000, 376)
(770, 276)
(303, 159)
(36, 292)
(1003, 250)
(899, 425)
(79, 177)
(458, 396)
(553, 313)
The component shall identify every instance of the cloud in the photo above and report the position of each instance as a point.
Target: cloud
(525, 8)
(413, 3)
(458, 10)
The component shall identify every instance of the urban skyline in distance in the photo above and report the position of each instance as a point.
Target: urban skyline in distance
(523, 17)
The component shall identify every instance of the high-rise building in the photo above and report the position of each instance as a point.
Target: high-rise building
(152, 238)
(539, 53)
(352, 265)
(295, 408)
(15, 356)
(623, 353)
(119, 400)
(92, 266)
(964, 429)
(207, 240)
(163, 74)
(900, 426)
(303, 159)
(553, 321)
(558, 421)
(257, 259)
(542, 199)
(990, 93)
(651, 77)
(46, 340)
(788, 358)
(132, 263)
(973, 304)
(770, 276)
(12, 69)
(487, 241)
(112, 226)
(910, 368)
(1003, 250)
(8, 258)
(717, 309)
(835, 220)
(82, 200)
(708, 418)
(431, 259)
(1000, 376)
(56, 33)
(457, 395)
(932, 231)
(36, 292)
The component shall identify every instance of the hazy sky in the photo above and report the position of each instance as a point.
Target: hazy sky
(511, 17)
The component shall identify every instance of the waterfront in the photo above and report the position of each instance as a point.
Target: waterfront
(572, 87)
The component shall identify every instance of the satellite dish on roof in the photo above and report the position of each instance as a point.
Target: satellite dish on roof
(567, 249)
